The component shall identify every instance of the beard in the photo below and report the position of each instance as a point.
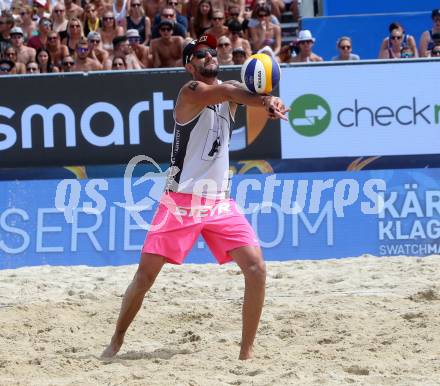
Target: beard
(207, 72)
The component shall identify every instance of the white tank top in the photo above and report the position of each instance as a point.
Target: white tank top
(200, 154)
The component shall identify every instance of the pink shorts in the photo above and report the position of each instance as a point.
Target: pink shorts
(181, 218)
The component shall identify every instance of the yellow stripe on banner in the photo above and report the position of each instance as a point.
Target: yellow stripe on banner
(267, 64)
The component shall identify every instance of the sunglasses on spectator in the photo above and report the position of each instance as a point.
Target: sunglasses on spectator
(173, 3)
(262, 15)
(59, 10)
(82, 50)
(218, 18)
(136, 4)
(46, 23)
(5, 69)
(396, 37)
(168, 15)
(344, 47)
(16, 36)
(407, 55)
(306, 42)
(136, 39)
(221, 45)
(95, 41)
(69, 63)
(200, 54)
(234, 14)
(75, 26)
(435, 52)
(32, 69)
(108, 18)
(165, 29)
(52, 38)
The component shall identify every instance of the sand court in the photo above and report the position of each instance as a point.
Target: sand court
(366, 321)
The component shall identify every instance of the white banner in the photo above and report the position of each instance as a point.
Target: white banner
(361, 110)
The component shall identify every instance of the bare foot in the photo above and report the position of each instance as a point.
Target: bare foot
(246, 354)
(113, 348)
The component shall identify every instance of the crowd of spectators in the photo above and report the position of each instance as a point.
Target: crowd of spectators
(43, 36)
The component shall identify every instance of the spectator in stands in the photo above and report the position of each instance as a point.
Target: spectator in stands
(118, 63)
(101, 7)
(393, 44)
(141, 51)
(237, 40)
(32, 68)
(73, 10)
(95, 50)
(218, 28)
(234, 13)
(181, 19)
(169, 14)
(59, 19)
(407, 53)
(239, 56)
(305, 44)
(109, 31)
(45, 62)
(67, 64)
(167, 49)
(345, 47)
(6, 24)
(83, 62)
(202, 20)
(265, 33)
(137, 20)
(57, 51)
(26, 23)
(435, 52)
(6, 67)
(24, 54)
(40, 41)
(426, 40)
(120, 8)
(11, 54)
(285, 55)
(92, 22)
(41, 9)
(152, 7)
(224, 51)
(122, 48)
(74, 34)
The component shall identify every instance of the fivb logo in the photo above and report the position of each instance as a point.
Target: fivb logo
(309, 115)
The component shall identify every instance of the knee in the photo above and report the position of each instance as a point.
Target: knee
(256, 271)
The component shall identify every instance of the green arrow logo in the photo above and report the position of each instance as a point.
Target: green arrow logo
(309, 115)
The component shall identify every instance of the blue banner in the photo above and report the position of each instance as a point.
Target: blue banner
(296, 216)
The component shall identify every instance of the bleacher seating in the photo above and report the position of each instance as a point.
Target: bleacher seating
(366, 31)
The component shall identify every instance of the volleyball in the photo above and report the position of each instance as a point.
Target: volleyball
(260, 73)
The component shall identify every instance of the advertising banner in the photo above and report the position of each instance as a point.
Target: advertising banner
(107, 118)
(375, 109)
(296, 216)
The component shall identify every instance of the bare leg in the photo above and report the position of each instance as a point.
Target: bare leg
(148, 269)
(250, 260)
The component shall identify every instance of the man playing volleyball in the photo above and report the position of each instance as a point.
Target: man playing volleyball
(196, 199)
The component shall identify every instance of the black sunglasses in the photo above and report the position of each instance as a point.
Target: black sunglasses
(200, 54)
(68, 63)
(166, 29)
(5, 69)
(395, 37)
(435, 52)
